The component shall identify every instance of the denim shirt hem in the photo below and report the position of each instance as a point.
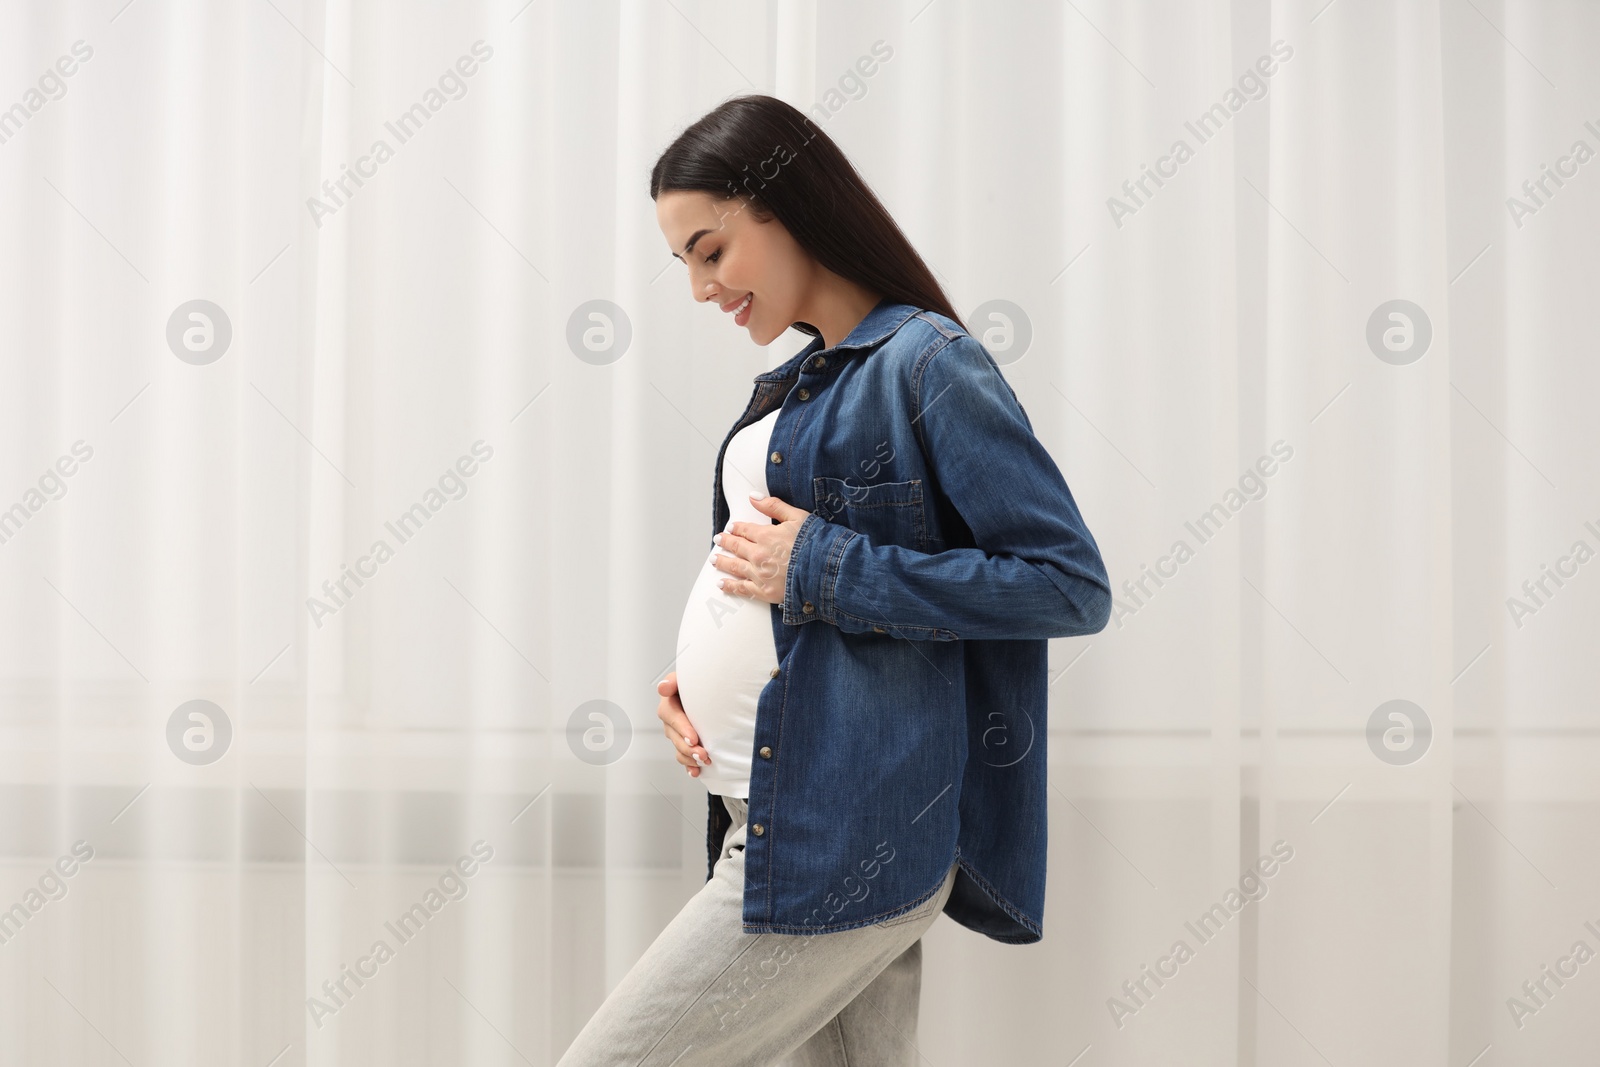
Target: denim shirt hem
(1029, 932)
(855, 924)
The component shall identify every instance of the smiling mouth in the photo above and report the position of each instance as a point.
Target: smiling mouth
(741, 310)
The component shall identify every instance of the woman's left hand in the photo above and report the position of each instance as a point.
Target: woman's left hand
(759, 566)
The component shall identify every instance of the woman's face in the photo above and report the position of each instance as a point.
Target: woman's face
(731, 255)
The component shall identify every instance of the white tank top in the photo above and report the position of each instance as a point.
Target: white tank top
(726, 654)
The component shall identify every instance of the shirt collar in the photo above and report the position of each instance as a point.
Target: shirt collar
(882, 321)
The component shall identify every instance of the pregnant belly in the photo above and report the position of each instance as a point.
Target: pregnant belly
(725, 658)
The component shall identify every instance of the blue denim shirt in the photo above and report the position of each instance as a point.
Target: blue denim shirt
(904, 728)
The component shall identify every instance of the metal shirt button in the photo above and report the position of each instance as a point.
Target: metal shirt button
(805, 394)
(807, 608)
(757, 829)
(775, 671)
(766, 753)
(819, 363)
(777, 457)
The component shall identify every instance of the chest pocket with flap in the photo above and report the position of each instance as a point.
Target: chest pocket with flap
(887, 513)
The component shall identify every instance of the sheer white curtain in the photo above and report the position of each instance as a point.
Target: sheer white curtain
(349, 494)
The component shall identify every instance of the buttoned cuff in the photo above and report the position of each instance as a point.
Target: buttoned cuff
(813, 574)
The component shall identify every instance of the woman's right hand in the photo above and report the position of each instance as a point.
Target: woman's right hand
(676, 725)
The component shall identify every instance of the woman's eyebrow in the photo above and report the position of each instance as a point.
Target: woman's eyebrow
(690, 246)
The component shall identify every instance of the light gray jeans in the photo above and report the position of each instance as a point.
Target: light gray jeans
(706, 994)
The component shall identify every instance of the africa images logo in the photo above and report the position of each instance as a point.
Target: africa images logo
(1251, 85)
(452, 85)
(452, 485)
(451, 887)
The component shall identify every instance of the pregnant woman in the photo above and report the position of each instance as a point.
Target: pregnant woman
(861, 673)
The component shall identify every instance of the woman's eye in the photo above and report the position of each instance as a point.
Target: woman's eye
(713, 257)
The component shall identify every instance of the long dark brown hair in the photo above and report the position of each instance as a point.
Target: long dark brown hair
(769, 153)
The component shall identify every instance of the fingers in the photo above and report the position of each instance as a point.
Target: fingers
(750, 565)
(680, 731)
(688, 741)
(678, 749)
(731, 544)
(670, 711)
(745, 573)
(685, 752)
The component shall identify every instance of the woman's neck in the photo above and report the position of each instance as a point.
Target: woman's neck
(837, 306)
